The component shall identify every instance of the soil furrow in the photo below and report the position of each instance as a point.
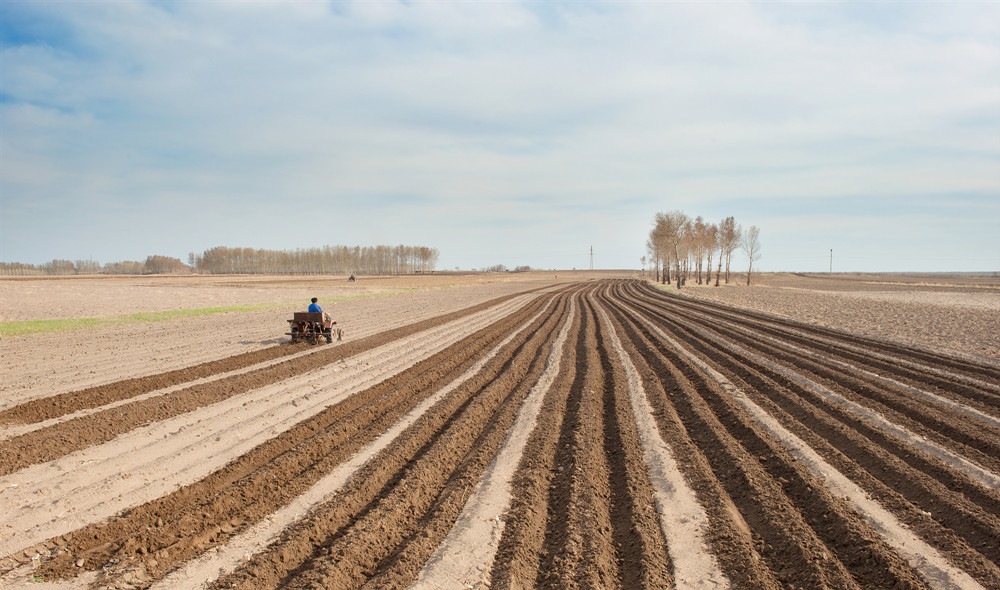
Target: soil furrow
(584, 434)
(579, 546)
(783, 538)
(50, 443)
(730, 537)
(966, 508)
(763, 387)
(957, 378)
(236, 497)
(849, 343)
(922, 415)
(357, 512)
(466, 555)
(906, 450)
(521, 547)
(868, 412)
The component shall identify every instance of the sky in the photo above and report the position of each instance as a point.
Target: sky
(857, 136)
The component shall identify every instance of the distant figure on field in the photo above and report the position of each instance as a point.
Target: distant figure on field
(314, 307)
(352, 278)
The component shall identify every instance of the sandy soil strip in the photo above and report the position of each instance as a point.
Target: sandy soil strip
(12, 430)
(97, 482)
(936, 570)
(207, 568)
(980, 474)
(466, 555)
(682, 518)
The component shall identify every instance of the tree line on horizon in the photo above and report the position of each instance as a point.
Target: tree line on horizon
(691, 246)
(362, 260)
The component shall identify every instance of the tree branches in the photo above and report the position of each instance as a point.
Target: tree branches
(690, 245)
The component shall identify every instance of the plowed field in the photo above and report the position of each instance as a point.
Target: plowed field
(597, 434)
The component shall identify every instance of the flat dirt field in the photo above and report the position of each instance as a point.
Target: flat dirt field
(533, 430)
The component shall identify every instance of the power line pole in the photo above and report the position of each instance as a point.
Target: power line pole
(831, 260)
(591, 258)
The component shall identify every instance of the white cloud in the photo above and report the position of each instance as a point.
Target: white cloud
(444, 115)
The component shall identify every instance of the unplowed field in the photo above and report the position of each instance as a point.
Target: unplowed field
(599, 434)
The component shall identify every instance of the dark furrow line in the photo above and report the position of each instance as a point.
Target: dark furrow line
(763, 379)
(588, 557)
(47, 408)
(50, 443)
(729, 536)
(237, 496)
(952, 510)
(39, 410)
(918, 459)
(836, 341)
(919, 355)
(920, 415)
(828, 523)
(639, 542)
(958, 527)
(434, 488)
(551, 572)
(782, 538)
(977, 442)
(521, 547)
(403, 564)
(306, 546)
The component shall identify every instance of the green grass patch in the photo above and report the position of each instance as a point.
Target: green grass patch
(26, 327)
(23, 328)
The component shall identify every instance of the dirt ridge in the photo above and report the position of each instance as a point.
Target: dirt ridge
(778, 428)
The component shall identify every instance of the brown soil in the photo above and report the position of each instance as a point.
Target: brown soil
(531, 431)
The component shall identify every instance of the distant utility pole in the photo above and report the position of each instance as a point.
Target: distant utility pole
(591, 258)
(831, 260)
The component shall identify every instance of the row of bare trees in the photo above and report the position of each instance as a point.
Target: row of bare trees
(692, 245)
(368, 260)
(152, 265)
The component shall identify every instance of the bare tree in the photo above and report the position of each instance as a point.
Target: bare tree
(730, 234)
(711, 245)
(654, 256)
(670, 236)
(702, 244)
(659, 239)
(751, 245)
